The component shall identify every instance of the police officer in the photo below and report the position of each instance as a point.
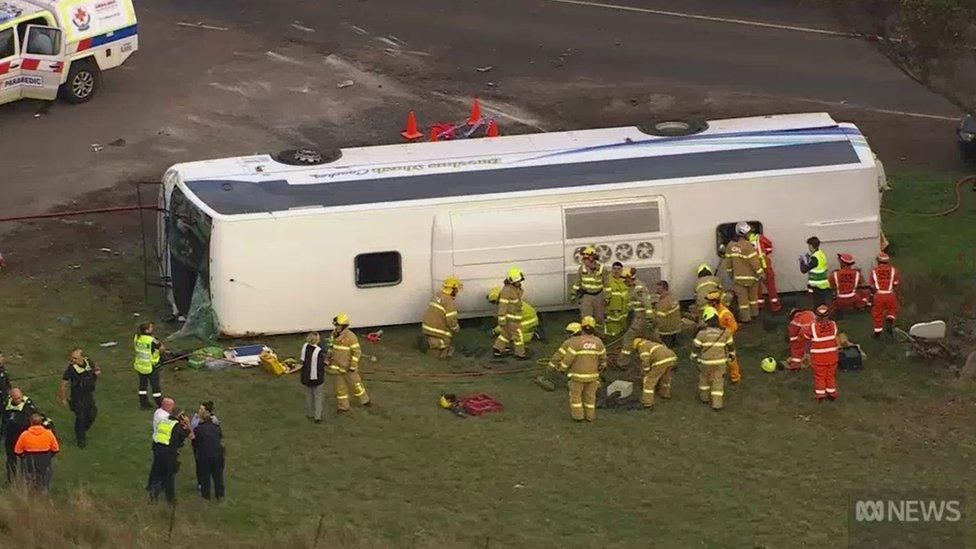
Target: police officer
(146, 364)
(169, 437)
(16, 419)
(81, 375)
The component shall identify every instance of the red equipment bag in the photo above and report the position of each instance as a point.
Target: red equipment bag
(480, 404)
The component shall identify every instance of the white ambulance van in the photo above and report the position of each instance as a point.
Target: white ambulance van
(60, 47)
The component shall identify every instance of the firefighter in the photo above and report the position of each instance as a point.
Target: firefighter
(530, 318)
(146, 364)
(440, 322)
(713, 351)
(592, 287)
(848, 286)
(510, 317)
(706, 284)
(800, 321)
(656, 360)
(884, 281)
(640, 307)
(667, 314)
(814, 265)
(585, 358)
(764, 246)
(343, 364)
(742, 264)
(726, 321)
(822, 335)
(552, 376)
(81, 374)
(616, 322)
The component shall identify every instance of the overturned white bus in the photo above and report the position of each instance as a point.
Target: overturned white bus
(281, 248)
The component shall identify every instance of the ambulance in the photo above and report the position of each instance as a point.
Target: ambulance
(51, 48)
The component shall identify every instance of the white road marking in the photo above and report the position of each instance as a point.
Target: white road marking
(877, 110)
(710, 18)
(302, 28)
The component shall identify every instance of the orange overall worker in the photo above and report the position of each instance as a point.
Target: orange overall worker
(800, 320)
(726, 321)
(824, 355)
(765, 248)
(848, 286)
(884, 280)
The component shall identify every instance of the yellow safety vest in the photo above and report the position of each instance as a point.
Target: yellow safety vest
(164, 431)
(817, 276)
(146, 357)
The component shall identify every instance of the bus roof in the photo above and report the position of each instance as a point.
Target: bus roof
(534, 163)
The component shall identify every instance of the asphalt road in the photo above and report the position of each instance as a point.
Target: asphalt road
(269, 81)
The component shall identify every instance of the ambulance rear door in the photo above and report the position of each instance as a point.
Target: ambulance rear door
(9, 64)
(43, 62)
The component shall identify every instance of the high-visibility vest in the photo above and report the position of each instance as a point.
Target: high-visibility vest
(146, 357)
(757, 242)
(164, 431)
(591, 282)
(846, 282)
(10, 407)
(823, 342)
(530, 318)
(817, 276)
(884, 278)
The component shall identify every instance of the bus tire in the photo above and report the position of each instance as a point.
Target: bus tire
(84, 80)
(673, 127)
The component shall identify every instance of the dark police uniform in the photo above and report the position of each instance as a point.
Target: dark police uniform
(16, 420)
(167, 441)
(82, 380)
(209, 452)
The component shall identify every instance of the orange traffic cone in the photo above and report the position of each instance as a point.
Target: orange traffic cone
(411, 131)
(475, 112)
(492, 129)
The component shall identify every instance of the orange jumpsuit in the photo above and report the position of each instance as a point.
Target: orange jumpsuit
(822, 335)
(884, 280)
(848, 292)
(798, 345)
(765, 248)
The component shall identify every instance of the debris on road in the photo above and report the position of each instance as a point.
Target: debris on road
(108, 344)
(117, 143)
(302, 28)
(64, 320)
(106, 250)
(283, 58)
(95, 147)
(200, 25)
(484, 69)
(345, 84)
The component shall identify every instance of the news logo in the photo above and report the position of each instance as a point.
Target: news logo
(892, 520)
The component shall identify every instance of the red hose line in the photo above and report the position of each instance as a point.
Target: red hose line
(78, 212)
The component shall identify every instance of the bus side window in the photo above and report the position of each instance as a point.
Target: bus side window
(378, 269)
(725, 233)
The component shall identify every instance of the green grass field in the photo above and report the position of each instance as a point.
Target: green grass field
(773, 469)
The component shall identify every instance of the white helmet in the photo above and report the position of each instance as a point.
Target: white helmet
(742, 228)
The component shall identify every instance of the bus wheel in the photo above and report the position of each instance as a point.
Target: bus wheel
(673, 128)
(83, 81)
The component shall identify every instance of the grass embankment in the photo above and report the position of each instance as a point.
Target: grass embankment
(773, 469)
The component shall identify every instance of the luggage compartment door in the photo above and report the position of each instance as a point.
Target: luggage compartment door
(484, 244)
